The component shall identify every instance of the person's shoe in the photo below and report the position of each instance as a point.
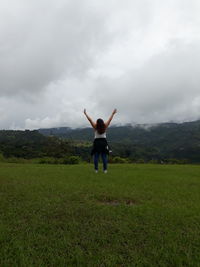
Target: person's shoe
(105, 171)
(96, 171)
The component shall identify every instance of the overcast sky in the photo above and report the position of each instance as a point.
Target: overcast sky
(59, 57)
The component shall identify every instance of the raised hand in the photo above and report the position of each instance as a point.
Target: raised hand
(90, 120)
(114, 111)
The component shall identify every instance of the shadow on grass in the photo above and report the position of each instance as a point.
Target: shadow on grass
(105, 200)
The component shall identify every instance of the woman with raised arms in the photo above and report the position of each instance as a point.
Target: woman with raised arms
(100, 145)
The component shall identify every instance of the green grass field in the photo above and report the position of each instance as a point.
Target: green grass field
(136, 215)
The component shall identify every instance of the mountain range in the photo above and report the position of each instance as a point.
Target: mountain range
(164, 140)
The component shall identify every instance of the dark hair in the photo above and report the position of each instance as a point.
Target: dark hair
(100, 126)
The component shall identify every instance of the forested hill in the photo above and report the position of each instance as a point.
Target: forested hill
(174, 134)
(165, 140)
(145, 142)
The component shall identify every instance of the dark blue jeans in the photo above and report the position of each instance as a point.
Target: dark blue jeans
(104, 159)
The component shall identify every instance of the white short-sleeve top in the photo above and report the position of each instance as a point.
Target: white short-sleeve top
(97, 135)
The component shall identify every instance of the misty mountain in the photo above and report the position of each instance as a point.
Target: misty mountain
(165, 140)
(145, 134)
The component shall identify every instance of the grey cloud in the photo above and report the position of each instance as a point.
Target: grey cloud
(164, 89)
(47, 44)
(58, 57)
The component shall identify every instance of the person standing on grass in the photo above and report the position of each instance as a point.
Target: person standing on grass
(100, 145)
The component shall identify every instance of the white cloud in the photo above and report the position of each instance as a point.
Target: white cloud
(166, 88)
(59, 57)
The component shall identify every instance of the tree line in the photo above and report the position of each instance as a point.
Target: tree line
(163, 143)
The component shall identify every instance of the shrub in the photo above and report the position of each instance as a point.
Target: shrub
(71, 160)
(177, 161)
(16, 160)
(2, 158)
(140, 161)
(154, 161)
(119, 160)
(48, 161)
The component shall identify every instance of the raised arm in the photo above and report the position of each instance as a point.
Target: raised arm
(90, 120)
(111, 117)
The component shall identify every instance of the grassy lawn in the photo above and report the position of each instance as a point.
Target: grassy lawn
(135, 215)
